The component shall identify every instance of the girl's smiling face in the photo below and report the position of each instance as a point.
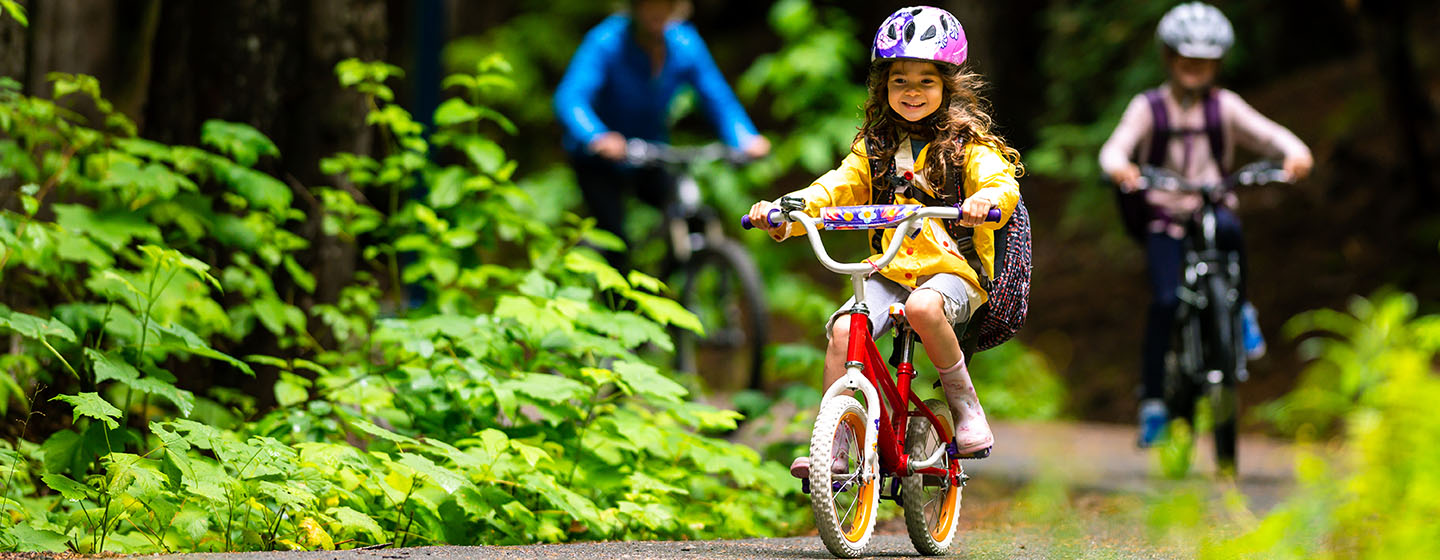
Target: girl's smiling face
(914, 89)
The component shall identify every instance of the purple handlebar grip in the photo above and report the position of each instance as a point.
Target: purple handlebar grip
(745, 220)
(994, 215)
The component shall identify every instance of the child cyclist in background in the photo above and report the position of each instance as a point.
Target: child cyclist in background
(1189, 126)
(928, 133)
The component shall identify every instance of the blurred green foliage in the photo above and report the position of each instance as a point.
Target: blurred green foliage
(1371, 492)
(511, 408)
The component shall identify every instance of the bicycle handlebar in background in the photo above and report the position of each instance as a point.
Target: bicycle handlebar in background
(1258, 173)
(640, 153)
(993, 216)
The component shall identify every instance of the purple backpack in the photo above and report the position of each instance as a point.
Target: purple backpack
(1009, 291)
(1134, 211)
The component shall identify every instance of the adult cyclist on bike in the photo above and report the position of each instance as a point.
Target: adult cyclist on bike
(619, 86)
(1190, 127)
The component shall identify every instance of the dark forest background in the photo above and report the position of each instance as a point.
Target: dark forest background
(1357, 80)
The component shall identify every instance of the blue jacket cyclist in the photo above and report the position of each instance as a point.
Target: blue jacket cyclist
(619, 85)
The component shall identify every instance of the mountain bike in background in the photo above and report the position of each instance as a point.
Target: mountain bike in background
(1207, 355)
(713, 275)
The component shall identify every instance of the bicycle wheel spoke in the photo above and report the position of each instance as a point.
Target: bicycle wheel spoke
(850, 507)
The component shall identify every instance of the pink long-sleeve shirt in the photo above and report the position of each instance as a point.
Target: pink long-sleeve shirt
(1188, 154)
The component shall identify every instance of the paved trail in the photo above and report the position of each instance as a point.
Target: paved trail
(1102, 514)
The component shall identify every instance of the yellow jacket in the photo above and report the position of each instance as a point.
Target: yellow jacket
(932, 251)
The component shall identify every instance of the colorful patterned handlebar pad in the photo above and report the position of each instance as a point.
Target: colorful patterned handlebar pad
(874, 216)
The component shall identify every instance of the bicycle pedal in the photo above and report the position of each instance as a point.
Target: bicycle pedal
(981, 454)
(805, 486)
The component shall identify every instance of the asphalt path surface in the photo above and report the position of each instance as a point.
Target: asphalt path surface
(1100, 511)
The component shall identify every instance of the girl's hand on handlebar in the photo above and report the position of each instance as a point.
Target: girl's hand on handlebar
(976, 208)
(757, 148)
(1298, 167)
(610, 145)
(760, 218)
(1128, 178)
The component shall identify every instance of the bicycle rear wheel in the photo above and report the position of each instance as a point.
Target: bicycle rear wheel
(932, 503)
(844, 503)
(721, 286)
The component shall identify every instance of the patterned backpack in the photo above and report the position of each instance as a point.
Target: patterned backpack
(1009, 291)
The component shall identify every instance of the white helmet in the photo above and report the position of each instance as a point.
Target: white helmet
(1196, 30)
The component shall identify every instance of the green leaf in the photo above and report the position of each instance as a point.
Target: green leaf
(646, 282)
(549, 388)
(605, 240)
(530, 453)
(34, 327)
(645, 379)
(455, 111)
(667, 311)
(382, 433)
(446, 479)
(177, 337)
(108, 367)
(572, 503)
(240, 141)
(60, 450)
(352, 520)
(134, 475)
(16, 11)
(113, 228)
(606, 276)
(260, 189)
(30, 539)
(78, 248)
(485, 154)
(91, 405)
(67, 486)
(183, 400)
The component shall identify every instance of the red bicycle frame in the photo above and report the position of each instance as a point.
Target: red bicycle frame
(895, 396)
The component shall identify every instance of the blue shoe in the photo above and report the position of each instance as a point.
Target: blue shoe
(1254, 339)
(1153, 418)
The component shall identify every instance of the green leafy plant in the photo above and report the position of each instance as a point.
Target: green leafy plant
(1370, 492)
(510, 407)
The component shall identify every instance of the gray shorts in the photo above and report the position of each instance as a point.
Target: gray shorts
(880, 292)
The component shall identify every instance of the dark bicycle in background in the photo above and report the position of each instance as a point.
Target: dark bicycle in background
(713, 275)
(1207, 354)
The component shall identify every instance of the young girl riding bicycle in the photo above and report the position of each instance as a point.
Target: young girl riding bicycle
(927, 136)
(1188, 126)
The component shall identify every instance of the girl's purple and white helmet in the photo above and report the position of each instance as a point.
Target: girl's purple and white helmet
(922, 33)
(1196, 30)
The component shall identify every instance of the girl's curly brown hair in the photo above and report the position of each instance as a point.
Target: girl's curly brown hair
(962, 117)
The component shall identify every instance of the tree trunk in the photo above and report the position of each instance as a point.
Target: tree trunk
(270, 64)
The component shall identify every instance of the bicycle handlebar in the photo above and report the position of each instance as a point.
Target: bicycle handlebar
(993, 216)
(642, 153)
(902, 232)
(1258, 173)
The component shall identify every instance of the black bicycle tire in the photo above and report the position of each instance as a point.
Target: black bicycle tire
(1181, 389)
(1224, 402)
(732, 256)
(1225, 407)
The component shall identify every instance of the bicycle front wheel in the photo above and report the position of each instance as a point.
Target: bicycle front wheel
(932, 503)
(844, 503)
(723, 289)
(1224, 402)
